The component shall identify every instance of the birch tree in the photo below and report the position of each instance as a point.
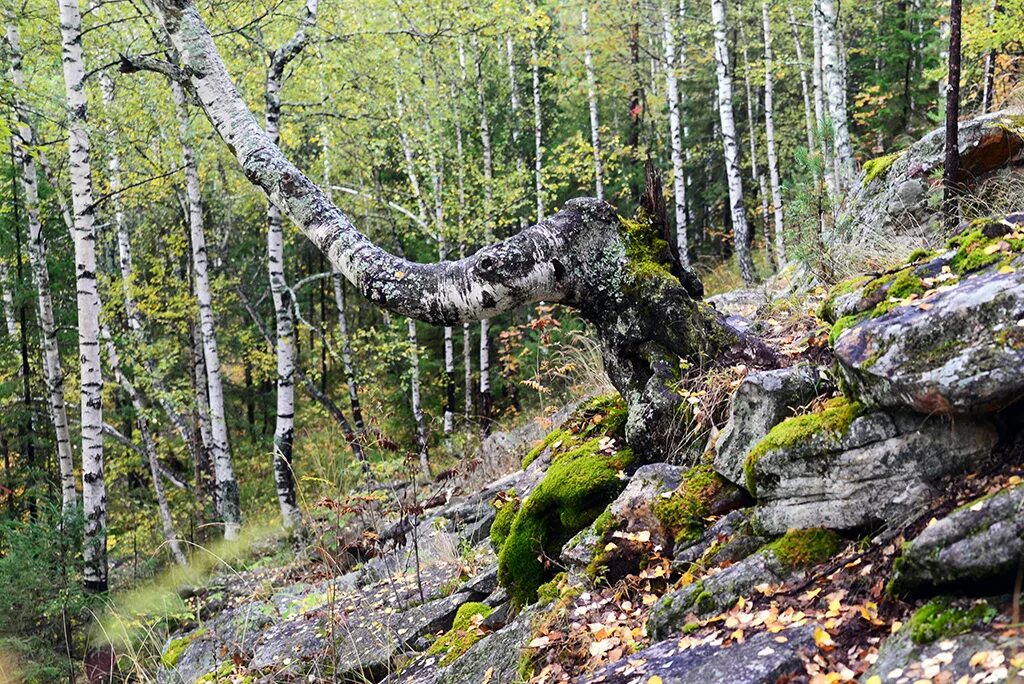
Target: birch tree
(488, 168)
(53, 373)
(94, 496)
(741, 229)
(595, 126)
(769, 127)
(7, 300)
(804, 89)
(228, 500)
(538, 133)
(673, 63)
(817, 78)
(834, 81)
(755, 171)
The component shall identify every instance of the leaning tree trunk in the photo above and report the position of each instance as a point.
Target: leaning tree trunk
(741, 229)
(94, 496)
(769, 127)
(284, 348)
(53, 373)
(228, 500)
(595, 127)
(673, 62)
(833, 74)
(644, 308)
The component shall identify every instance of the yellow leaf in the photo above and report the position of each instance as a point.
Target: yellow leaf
(655, 679)
(399, 275)
(874, 679)
(823, 639)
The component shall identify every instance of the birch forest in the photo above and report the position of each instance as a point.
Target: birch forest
(553, 341)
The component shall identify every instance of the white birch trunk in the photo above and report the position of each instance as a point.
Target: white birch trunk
(755, 171)
(769, 127)
(228, 501)
(595, 127)
(673, 62)
(94, 496)
(819, 103)
(488, 162)
(148, 447)
(538, 133)
(346, 355)
(832, 72)
(805, 90)
(7, 298)
(53, 373)
(741, 228)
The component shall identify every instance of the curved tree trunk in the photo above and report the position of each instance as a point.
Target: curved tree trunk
(53, 373)
(580, 256)
(228, 500)
(94, 496)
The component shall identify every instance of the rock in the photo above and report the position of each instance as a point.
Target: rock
(845, 470)
(204, 650)
(964, 354)
(742, 303)
(901, 660)
(734, 528)
(762, 401)
(761, 659)
(980, 541)
(632, 511)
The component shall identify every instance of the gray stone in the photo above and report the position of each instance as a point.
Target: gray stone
(734, 528)
(901, 660)
(233, 631)
(981, 540)
(963, 355)
(761, 659)
(880, 469)
(763, 400)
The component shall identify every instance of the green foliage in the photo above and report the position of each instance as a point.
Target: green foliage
(940, 619)
(685, 513)
(804, 548)
(507, 507)
(832, 420)
(879, 166)
(463, 634)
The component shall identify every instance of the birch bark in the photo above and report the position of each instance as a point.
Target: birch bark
(804, 89)
(53, 373)
(595, 127)
(673, 63)
(538, 133)
(828, 166)
(488, 162)
(832, 67)
(7, 299)
(769, 126)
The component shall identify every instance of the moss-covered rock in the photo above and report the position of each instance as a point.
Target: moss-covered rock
(879, 166)
(464, 633)
(586, 473)
(176, 647)
(941, 619)
(803, 548)
(684, 514)
(507, 505)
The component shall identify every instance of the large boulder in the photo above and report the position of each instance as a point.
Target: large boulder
(847, 469)
(950, 345)
(782, 560)
(762, 659)
(762, 401)
(979, 541)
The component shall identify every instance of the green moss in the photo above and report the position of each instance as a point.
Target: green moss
(646, 254)
(804, 548)
(685, 513)
(879, 166)
(939, 619)
(172, 654)
(906, 283)
(507, 507)
(833, 418)
(827, 309)
(221, 674)
(920, 254)
(455, 642)
(844, 323)
(550, 591)
(551, 438)
(972, 248)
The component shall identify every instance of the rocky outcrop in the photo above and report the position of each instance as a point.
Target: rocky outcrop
(845, 470)
(762, 659)
(762, 401)
(963, 658)
(979, 541)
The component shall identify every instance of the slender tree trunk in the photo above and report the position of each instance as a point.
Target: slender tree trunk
(485, 324)
(804, 89)
(538, 138)
(755, 171)
(94, 497)
(673, 63)
(53, 373)
(989, 71)
(7, 300)
(595, 127)
(514, 105)
(951, 172)
(467, 342)
(228, 500)
(834, 77)
(769, 127)
(820, 118)
(347, 364)
(741, 228)
(148, 448)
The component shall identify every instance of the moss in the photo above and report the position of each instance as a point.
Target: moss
(827, 309)
(973, 246)
(879, 166)
(833, 418)
(843, 324)
(685, 513)
(507, 505)
(550, 591)
(939, 619)
(646, 254)
(172, 654)
(221, 674)
(455, 642)
(551, 438)
(804, 548)
(920, 254)
(906, 283)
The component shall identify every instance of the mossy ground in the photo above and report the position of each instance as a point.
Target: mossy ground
(833, 418)
(939, 619)
(463, 634)
(586, 473)
(685, 513)
(804, 548)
